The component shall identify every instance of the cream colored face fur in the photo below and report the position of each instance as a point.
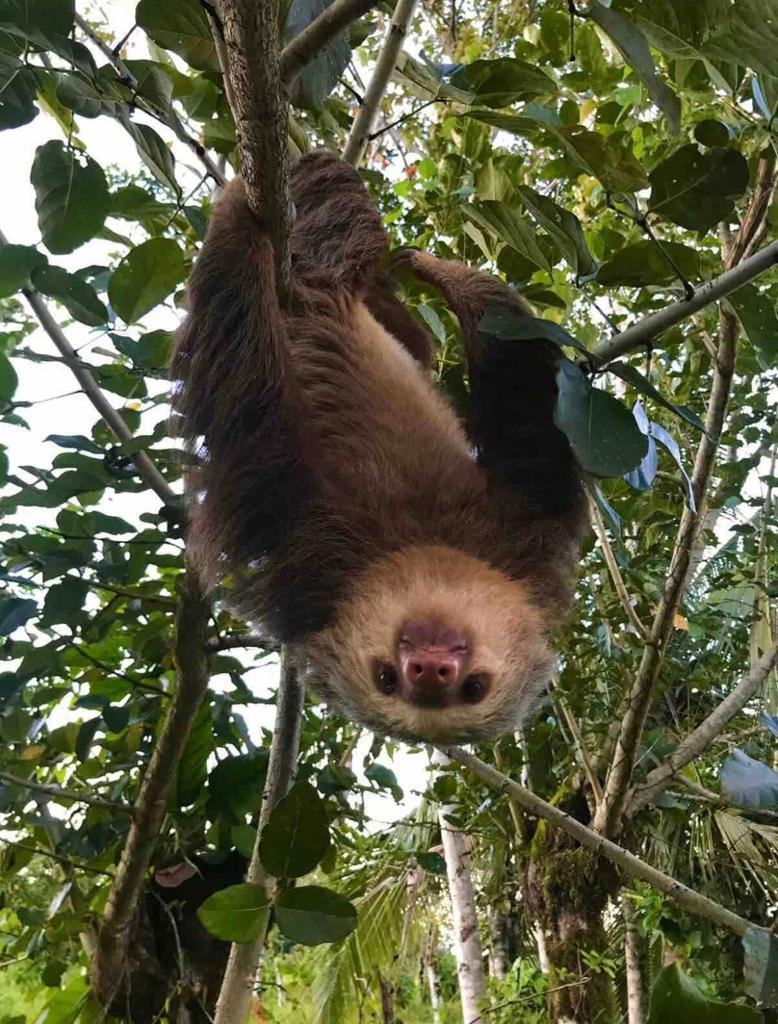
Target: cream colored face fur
(418, 584)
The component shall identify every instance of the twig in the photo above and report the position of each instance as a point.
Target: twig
(356, 144)
(319, 33)
(132, 595)
(64, 794)
(174, 121)
(109, 965)
(65, 861)
(701, 738)
(146, 468)
(613, 568)
(238, 982)
(580, 743)
(260, 113)
(230, 643)
(645, 330)
(631, 865)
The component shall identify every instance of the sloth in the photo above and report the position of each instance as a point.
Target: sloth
(414, 566)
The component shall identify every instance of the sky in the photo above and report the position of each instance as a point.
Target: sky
(108, 143)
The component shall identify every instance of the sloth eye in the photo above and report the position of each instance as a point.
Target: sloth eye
(474, 688)
(387, 679)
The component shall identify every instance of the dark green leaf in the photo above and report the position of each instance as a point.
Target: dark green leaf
(116, 717)
(432, 862)
(749, 783)
(677, 999)
(297, 834)
(749, 36)
(564, 227)
(319, 76)
(146, 275)
(180, 26)
(193, 766)
(757, 313)
(48, 15)
(603, 433)
(155, 154)
(760, 966)
(509, 227)
(243, 838)
(16, 264)
(78, 442)
(512, 326)
(312, 914)
(14, 612)
(235, 784)
(236, 914)
(79, 298)
(18, 89)
(64, 601)
(71, 197)
(149, 352)
(643, 263)
(711, 133)
(84, 97)
(500, 82)
(645, 387)
(632, 45)
(85, 737)
(698, 190)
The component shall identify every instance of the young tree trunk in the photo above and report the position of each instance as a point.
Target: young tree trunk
(499, 953)
(387, 1000)
(431, 970)
(632, 955)
(467, 937)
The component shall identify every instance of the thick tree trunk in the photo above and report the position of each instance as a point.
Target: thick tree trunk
(632, 955)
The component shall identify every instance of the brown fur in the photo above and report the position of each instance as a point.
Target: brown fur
(337, 489)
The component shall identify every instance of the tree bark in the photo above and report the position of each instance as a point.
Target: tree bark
(499, 953)
(632, 956)
(387, 1000)
(431, 970)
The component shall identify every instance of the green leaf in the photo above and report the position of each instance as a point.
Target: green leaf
(677, 999)
(16, 264)
(18, 89)
(564, 227)
(79, 443)
(64, 601)
(237, 914)
(79, 298)
(14, 612)
(193, 766)
(235, 784)
(508, 226)
(146, 276)
(297, 834)
(757, 313)
(749, 36)
(84, 97)
(642, 263)
(432, 862)
(243, 839)
(312, 914)
(632, 45)
(698, 190)
(319, 76)
(149, 352)
(155, 154)
(85, 738)
(760, 967)
(602, 431)
(642, 384)
(512, 326)
(711, 133)
(71, 197)
(180, 26)
(501, 82)
(47, 15)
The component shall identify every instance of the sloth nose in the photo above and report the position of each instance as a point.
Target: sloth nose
(432, 670)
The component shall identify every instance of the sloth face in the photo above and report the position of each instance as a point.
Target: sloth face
(433, 644)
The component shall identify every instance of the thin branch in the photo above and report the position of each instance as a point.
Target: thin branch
(64, 794)
(65, 861)
(645, 330)
(631, 865)
(609, 814)
(580, 744)
(230, 643)
(700, 739)
(132, 595)
(109, 965)
(356, 144)
(613, 568)
(175, 123)
(238, 982)
(319, 33)
(260, 113)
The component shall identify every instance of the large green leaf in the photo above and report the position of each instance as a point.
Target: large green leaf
(237, 914)
(677, 999)
(181, 26)
(501, 82)
(47, 15)
(632, 45)
(564, 227)
(18, 88)
(748, 37)
(602, 432)
(146, 275)
(14, 612)
(644, 263)
(17, 262)
(297, 834)
(8, 378)
(508, 226)
(79, 298)
(698, 189)
(760, 968)
(71, 196)
(154, 152)
(757, 313)
(312, 914)
(512, 326)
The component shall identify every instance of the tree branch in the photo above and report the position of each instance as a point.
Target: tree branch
(615, 572)
(356, 144)
(608, 816)
(644, 331)
(109, 964)
(701, 738)
(174, 121)
(147, 471)
(64, 794)
(238, 982)
(319, 33)
(631, 865)
(260, 112)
